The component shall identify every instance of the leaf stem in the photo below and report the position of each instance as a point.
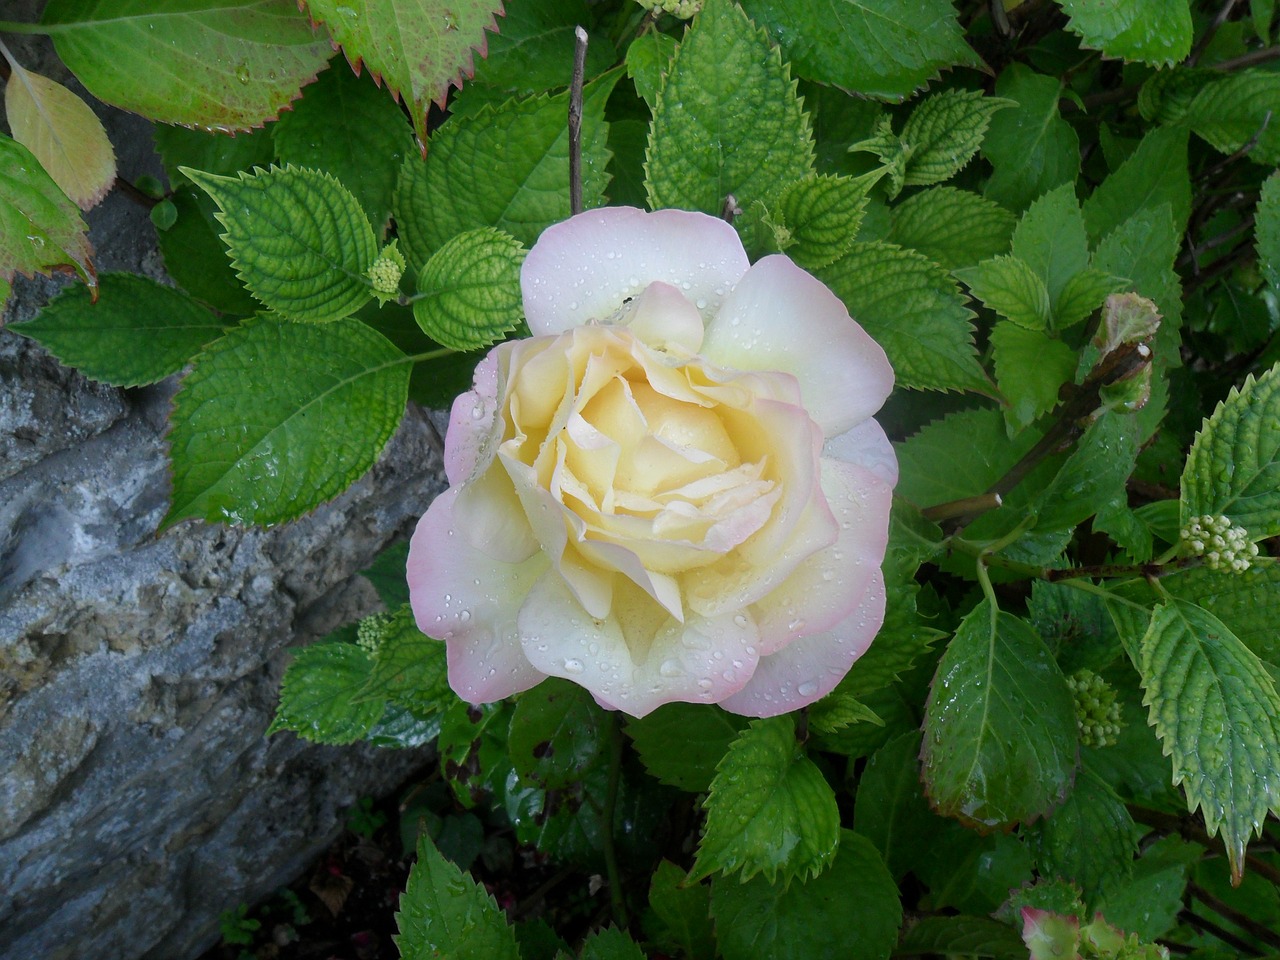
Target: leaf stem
(1241, 920)
(1189, 829)
(38, 29)
(607, 818)
(575, 120)
(429, 355)
(1208, 926)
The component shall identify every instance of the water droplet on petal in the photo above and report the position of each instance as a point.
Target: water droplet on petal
(741, 620)
(807, 689)
(671, 668)
(573, 666)
(464, 616)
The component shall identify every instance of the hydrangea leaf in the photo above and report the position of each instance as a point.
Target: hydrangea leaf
(1030, 367)
(1157, 32)
(1267, 221)
(962, 937)
(1236, 110)
(704, 734)
(1243, 601)
(1051, 238)
(648, 59)
(62, 132)
(1093, 476)
(320, 696)
(348, 128)
(999, 725)
(501, 166)
(408, 667)
(1233, 469)
(770, 810)
(138, 332)
(890, 809)
(444, 913)
(901, 46)
(1149, 903)
(821, 214)
(838, 710)
(220, 64)
(1031, 147)
(416, 48)
(849, 910)
(1011, 288)
(557, 734)
(298, 239)
(40, 228)
(278, 417)
(1082, 294)
(1155, 173)
(532, 52)
(954, 227)
(1089, 839)
(976, 449)
(684, 913)
(610, 944)
(1217, 713)
(727, 120)
(469, 291)
(914, 309)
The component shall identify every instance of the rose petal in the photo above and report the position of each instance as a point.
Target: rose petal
(808, 669)
(470, 601)
(639, 657)
(585, 267)
(492, 519)
(664, 319)
(781, 318)
(867, 446)
(474, 424)
(829, 584)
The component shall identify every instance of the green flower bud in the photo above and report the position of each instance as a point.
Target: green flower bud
(1098, 715)
(385, 272)
(1223, 545)
(683, 9)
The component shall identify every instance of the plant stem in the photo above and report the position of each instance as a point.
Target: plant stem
(607, 818)
(38, 29)
(1189, 829)
(1244, 922)
(1211, 928)
(1223, 13)
(575, 120)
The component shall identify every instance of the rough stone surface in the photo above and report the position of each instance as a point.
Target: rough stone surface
(138, 672)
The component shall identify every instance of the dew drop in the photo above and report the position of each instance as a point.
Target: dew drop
(477, 412)
(807, 689)
(701, 303)
(464, 616)
(670, 668)
(705, 683)
(242, 73)
(797, 624)
(593, 648)
(573, 666)
(741, 620)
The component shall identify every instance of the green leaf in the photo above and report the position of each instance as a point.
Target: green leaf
(972, 873)
(505, 167)
(1082, 294)
(320, 696)
(557, 734)
(347, 127)
(901, 46)
(770, 810)
(1262, 12)
(444, 913)
(220, 64)
(1233, 469)
(974, 446)
(532, 51)
(999, 726)
(1030, 367)
(962, 937)
(1031, 147)
(914, 309)
(278, 417)
(648, 60)
(704, 734)
(838, 710)
(727, 121)
(387, 574)
(944, 131)
(1155, 173)
(1157, 32)
(419, 48)
(1051, 238)
(409, 668)
(138, 332)
(610, 944)
(1089, 839)
(849, 910)
(1238, 110)
(1215, 709)
(40, 228)
(1011, 288)
(298, 239)
(1150, 902)
(1093, 476)
(1267, 225)
(891, 810)
(1243, 601)
(822, 213)
(955, 227)
(469, 291)
(683, 912)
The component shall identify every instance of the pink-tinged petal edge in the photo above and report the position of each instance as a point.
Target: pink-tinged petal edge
(808, 669)
(584, 268)
(472, 423)
(867, 446)
(471, 602)
(779, 317)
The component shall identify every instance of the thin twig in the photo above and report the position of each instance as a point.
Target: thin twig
(575, 120)
(1223, 13)
(1189, 829)
(1243, 921)
(1250, 59)
(607, 817)
(1211, 928)
(1192, 256)
(966, 508)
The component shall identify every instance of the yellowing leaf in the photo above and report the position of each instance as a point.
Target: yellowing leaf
(63, 134)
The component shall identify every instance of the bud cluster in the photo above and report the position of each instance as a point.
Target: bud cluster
(684, 9)
(1097, 712)
(384, 274)
(1223, 545)
(372, 630)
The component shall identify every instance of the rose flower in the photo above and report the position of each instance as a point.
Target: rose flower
(673, 490)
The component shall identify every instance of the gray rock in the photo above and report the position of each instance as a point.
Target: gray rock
(138, 672)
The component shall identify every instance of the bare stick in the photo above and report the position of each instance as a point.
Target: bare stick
(1223, 13)
(575, 120)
